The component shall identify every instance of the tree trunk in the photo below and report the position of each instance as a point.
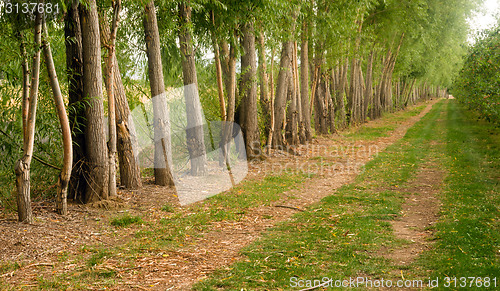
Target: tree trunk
(218, 71)
(331, 104)
(26, 83)
(271, 104)
(95, 137)
(304, 83)
(229, 71)
(63, 181)
(368, 85)
(299, 115)
(22, 167)
(76, 109)
(194, 132)
(161, 122)
(249, 88)
(320, 106)
(281, 95)
(111, 99)
(130, 174)
(291, 116)
(265, 100)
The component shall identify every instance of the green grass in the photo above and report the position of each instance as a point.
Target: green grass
(343, 235)
(126, 220)
(159, 235)
(468, 236)
(388, 123)
(168, 208)
(371, 133)
(172, 231)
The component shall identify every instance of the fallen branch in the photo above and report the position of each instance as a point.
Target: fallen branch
(38, 264)
(289, 207)
(10, 274)
(324, 284)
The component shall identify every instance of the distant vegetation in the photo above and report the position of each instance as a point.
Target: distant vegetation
(478, 83)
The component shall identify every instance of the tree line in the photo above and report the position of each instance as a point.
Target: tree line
(285, 71)
(478, 83)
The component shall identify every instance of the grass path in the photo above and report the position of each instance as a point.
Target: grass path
(350, 233)
(395, 217)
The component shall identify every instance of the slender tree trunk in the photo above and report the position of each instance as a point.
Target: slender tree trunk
(291, 123)
(63, 181)
(76, 112)
(22, 167)
(26, 83)
(161, 122)
(299, 115)
(229, 71)
(194, 132)
(127, 144)
(218, 71)
(331, 103)
(339, 87)
(361, 92)
(111, 99)
(249, 88)
(320, 109)
(304, 83)
(97, 154)
(265, 100)
(271, 104)
(281, 95)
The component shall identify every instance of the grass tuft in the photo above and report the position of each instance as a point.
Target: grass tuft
(126, 220)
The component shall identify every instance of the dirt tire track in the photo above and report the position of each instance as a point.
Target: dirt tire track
(221, 246)
(217, 248)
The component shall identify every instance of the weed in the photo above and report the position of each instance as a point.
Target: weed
(126, 220)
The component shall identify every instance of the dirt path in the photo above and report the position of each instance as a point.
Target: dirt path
(420, 211)
(218, 247)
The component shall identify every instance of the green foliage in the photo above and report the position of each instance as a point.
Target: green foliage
(126, 220)
(97, 257)
(168, 208)
(478, 84)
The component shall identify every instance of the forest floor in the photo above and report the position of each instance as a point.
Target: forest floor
(259, 234)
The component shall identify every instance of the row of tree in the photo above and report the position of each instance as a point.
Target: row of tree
(284, 70)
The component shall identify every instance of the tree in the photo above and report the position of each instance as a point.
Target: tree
(130, 174)
(194, 131)
(161, 122)
(278, 140)
(249, 88)
(95, 138)
(22, 167)
(63, 181)
(76, 104)
(304, 81)
(111, 99)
